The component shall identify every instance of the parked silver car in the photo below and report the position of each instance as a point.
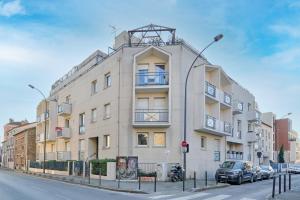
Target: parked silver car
(267, 171)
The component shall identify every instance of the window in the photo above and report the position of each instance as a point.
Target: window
(107, 80)
(249, 127)
(67, 123)
(52, 147)
(203, 142)
(94, 87)
(217, 154)
(159, 139)
(94, 115)
(239, 129)
(68, 99)
(81, 123)
(106, 141)
(107, 111)
(142, 139)
(249, 106)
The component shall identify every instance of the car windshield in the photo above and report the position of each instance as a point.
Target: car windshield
(228, 164)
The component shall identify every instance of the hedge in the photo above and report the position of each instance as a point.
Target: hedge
(100, 164)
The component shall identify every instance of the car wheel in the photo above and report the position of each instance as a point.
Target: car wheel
(240, 180)
(251, 179)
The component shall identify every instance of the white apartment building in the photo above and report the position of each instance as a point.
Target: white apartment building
(130, 103)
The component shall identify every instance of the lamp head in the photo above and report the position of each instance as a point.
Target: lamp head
(31, 86)
(218, 37)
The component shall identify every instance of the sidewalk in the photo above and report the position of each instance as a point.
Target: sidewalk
(133, 186)
(294, 194)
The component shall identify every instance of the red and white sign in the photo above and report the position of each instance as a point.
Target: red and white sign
(184, 144)
(58, 129)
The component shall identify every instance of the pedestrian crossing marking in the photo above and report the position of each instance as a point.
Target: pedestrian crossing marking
(219, 197)
(191, 196)
(161, 196)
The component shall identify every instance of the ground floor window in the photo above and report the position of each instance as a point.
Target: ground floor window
(203, 142)
(142, 139)
(159, 139)
(106, 141)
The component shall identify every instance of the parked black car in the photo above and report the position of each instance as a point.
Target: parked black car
(258, 175)
(267, 171)
(235, 172)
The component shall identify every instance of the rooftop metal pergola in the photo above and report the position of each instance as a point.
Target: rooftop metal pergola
(152, 33)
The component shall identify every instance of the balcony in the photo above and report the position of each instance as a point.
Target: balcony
(63, 155)
(151, 117)
(49, 156)
(215, 126)
(63, 133)
(234, 155)
(238, 107)
(41, 137)
(225, 99)
(211, 92)
(64, 109)
(253, 116)
(41, 118)
(152, 80)
(251, 137)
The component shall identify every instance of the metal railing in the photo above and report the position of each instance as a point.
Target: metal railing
(235, 155)
(210, 89)
(227, 127)
(210, 121)
(151, 115)
(227, 98)
(152, 78)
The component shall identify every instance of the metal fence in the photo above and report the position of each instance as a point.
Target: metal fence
(50, 165)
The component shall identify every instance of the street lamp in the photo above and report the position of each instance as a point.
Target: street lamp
(45, 135)
(288, 114)
(216, 39)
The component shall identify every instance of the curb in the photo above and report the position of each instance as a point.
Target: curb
(210, 188)
(64, 179)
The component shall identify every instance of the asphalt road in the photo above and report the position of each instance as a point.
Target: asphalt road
(18, 186)
(247, 191)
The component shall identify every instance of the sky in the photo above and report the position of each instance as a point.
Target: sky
(42, 40)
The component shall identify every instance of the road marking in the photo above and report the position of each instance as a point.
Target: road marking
(245, 198)
(161, 196)
(219, 197)
(191, 196)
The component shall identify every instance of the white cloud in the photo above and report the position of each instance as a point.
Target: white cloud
(11, 8)
(289, 58)
(294, 4)
(292, 31)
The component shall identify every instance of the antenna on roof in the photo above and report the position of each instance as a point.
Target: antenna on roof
(114, 30)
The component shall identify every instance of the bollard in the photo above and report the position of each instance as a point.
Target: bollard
(279, 183)
(273, 190)
(155, 181)
(194, 179)
(119, 179)
(183, 181)
(100, 177)
(89, 173)
(290, 180)
(139, 182)
(205, 178)
(284, 183)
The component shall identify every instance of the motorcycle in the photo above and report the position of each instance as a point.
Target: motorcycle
(176, 173)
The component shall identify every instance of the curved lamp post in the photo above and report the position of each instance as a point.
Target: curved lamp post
(216, 39)
(45, 135)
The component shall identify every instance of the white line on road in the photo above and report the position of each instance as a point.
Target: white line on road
(219, 197)
(191, 196)
(245, 198)
(161, 196)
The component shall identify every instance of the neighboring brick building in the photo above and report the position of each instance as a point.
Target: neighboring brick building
(285, 137)
(25, 147)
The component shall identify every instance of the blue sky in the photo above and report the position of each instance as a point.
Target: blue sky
(41, 40)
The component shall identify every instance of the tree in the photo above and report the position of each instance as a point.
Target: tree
(281, 155)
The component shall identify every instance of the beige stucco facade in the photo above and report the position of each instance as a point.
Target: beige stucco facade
(131, 103)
